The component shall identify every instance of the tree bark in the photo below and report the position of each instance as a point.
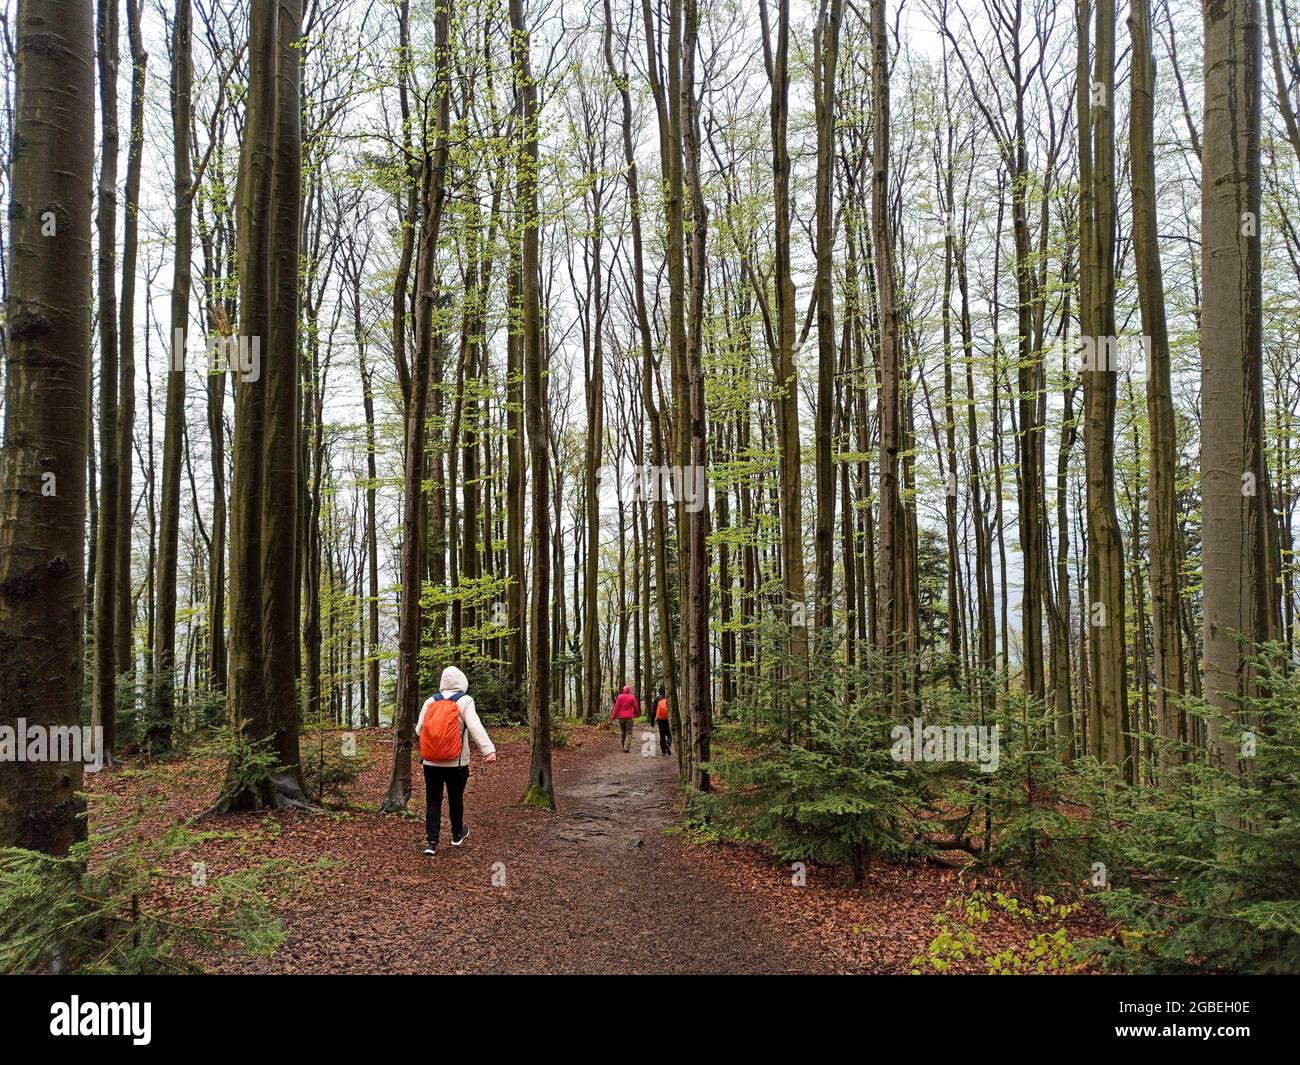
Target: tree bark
(126, 333)
(47, 412)
(262, 699)
(541, 786)
(432, 183)
(784, 369)
(104, 701)
(826, 46)
(164, 709)
(1162, 490)
(1109, 692)
(892, 529)
(1237, 599)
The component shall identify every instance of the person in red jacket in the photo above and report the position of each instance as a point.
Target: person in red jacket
(624, 712)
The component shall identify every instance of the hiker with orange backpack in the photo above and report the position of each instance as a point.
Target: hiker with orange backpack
(661, 719)
(624, 712)
(447, 721)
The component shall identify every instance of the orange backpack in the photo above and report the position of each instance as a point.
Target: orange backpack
(661, 711)
(441, 735)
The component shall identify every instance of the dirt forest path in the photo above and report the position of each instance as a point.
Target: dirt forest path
(597, 888)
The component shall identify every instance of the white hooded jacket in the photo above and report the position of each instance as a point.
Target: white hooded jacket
(453, 681)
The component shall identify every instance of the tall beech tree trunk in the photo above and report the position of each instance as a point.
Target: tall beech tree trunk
(1108, 707)
(541, 786)
(792, 561)
(1237, 596)
(253, 206)
(699, 689)
(1162, 490)
(654, 428)
(372, 527)
(164, 667)
(516, 643)
(666, 86)
(104, 696)
(826, 45)
(262, 698)
(892, 525)
(126, 334)
(595, 440)
(281, 455)
(47, 413)
(432, 184)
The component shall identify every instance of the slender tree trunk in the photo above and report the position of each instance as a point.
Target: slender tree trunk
(541, 786)
(826, 45)
(667, 647)
(792, 561)
(595, 442)
(126, 333)
(1162, 492)
(372, 527)
(160, 731)
(892, 530)
(432, 183)
(1109, 694)
(107, 555)
(700, 685)
(514, 511)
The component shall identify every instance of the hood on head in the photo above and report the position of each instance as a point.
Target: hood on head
(453, 680)
(627, 689)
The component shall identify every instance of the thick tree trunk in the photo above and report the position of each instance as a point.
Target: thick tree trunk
(264, 540)
(1236, 589)
(47, 412)
(280, 454)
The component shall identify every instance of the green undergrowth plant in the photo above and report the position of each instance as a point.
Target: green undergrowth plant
(806, 768)
(251, 764)
(133, 901)
(961, 929)
(1218, 849)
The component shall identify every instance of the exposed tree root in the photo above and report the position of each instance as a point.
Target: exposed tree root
(282, 792)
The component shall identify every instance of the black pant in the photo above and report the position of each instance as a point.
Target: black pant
(665, 737)
(455, 778)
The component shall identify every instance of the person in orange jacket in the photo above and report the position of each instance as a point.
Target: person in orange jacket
(449, 768)
(665, 730)
(624, 712)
